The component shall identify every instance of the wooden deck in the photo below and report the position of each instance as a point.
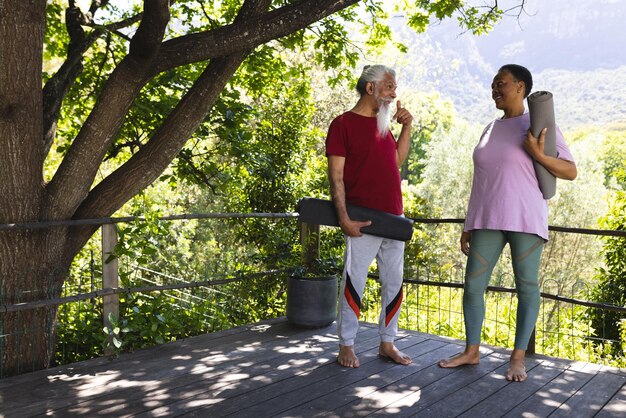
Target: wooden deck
(273, 369)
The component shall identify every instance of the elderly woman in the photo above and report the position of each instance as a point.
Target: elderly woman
(507, 206)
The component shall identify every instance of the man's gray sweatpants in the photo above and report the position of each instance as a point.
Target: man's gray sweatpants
(359, 255)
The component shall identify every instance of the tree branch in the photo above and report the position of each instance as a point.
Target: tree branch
(149, 162)
(95, 5)
(71, 183)
(59, 84)
(244, 34)
(249, 32)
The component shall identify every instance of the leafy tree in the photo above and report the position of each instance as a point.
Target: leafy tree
(143, 79)
(432, 117)
(611, 288)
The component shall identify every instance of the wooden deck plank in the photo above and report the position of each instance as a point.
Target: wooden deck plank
(145, 369)
(616, 406)
(88, 366)
(513, 393)
(136, 358)
(439, 383)
(373, 388)
(286, 373)
(219, 364)
(331, 377)
(467, 397)
(549, 397)
(273, 369)
(592, 397)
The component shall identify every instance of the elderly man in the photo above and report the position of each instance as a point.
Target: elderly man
(363, 166)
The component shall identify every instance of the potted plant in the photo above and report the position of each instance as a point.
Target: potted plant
(312, 294)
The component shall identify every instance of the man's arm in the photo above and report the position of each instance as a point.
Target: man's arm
(338, 192)
(404, 117)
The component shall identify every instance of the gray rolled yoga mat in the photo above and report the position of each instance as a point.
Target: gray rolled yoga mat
(386, 225)
(541, 109)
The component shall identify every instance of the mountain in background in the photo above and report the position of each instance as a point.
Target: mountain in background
(573, 48)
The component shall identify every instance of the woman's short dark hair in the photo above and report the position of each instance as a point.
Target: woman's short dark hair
(520, 73)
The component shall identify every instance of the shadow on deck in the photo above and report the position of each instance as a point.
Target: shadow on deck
(273, 369)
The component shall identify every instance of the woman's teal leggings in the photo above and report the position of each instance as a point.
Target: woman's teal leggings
(485, 249)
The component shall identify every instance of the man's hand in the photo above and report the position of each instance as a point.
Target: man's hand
(353, 228)
(402, 115)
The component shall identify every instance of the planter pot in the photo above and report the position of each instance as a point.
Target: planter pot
(312, 302)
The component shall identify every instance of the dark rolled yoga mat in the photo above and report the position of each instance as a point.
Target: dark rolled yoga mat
(541, 109)
(386, 225)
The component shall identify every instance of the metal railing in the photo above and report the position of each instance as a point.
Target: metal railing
(309, 238)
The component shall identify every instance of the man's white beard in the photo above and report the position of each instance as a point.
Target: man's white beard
(384, 115)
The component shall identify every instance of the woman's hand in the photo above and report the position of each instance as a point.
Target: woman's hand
(562, 169)
(465, 242)
(534, 146)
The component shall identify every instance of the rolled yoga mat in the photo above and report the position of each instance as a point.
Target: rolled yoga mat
(541, 109)
(386, 225)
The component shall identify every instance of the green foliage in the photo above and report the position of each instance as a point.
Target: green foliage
(146, 321)
(480, 22)
(622, 329)
(141, 241)
(79, 332)
(611, 288)
(478, 19)
(614, 158)
(56, 38)
(114, 335)
(433, 118)
(318, 268)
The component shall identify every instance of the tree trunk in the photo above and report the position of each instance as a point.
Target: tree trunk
(21, 127)
(28, 335)
(30, 264)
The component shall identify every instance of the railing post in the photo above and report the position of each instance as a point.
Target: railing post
(110, 277)
(310, 241)
(531, 343)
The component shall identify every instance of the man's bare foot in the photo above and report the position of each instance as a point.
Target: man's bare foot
(389, 350)
(517, 368)
(347, 357)
(471, 355)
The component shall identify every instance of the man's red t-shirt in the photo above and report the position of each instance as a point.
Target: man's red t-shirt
(371, 175)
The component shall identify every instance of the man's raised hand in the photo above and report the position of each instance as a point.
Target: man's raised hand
(402, 115)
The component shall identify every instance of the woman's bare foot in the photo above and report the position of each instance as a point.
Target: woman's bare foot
(389, 350)
(471, 355)
(347, 357)
(517, 368)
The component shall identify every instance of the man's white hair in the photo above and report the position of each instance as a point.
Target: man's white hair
(372, 74)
